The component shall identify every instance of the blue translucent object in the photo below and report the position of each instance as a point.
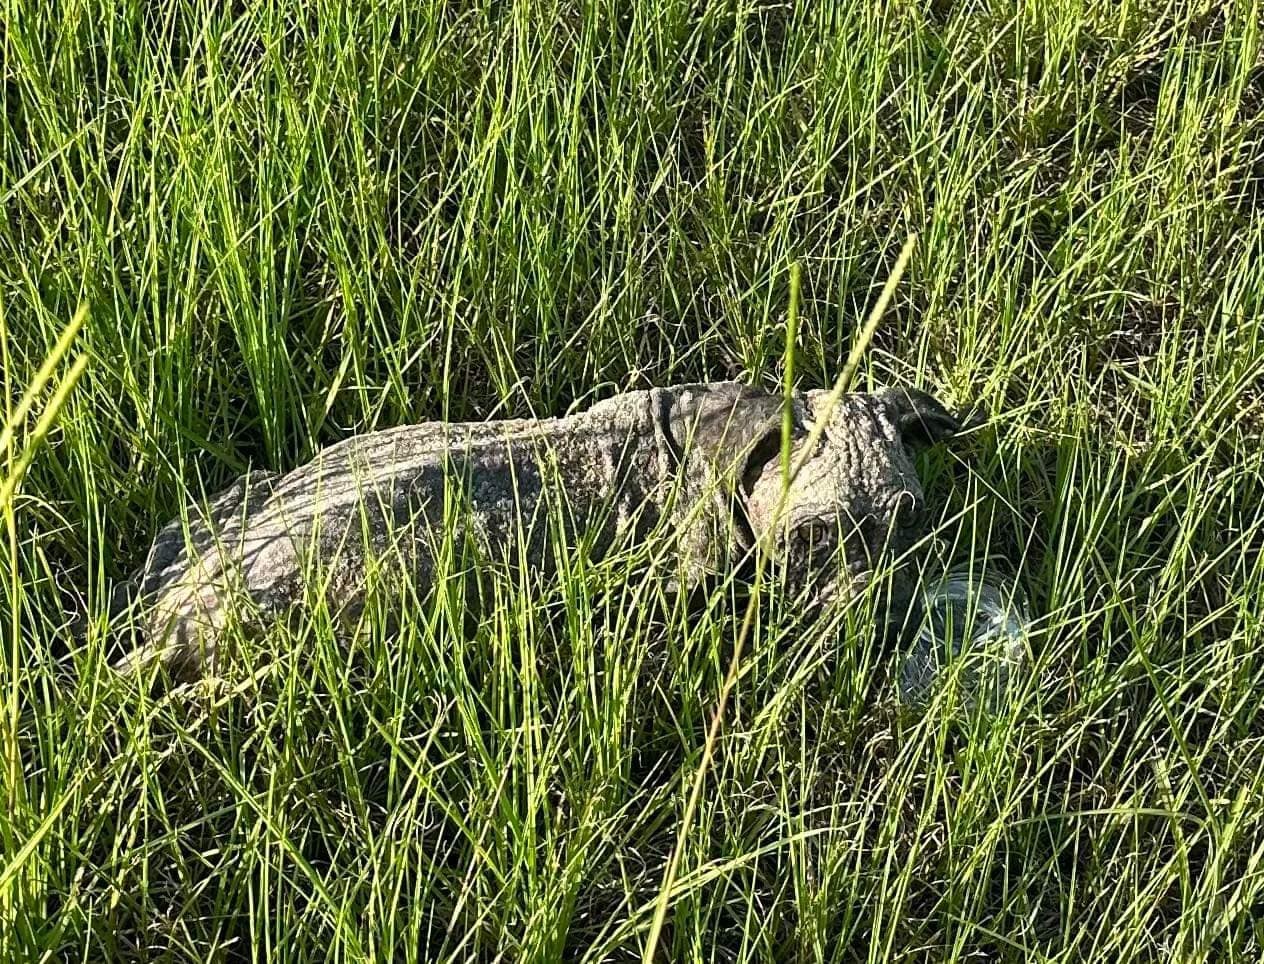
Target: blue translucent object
(974, 625)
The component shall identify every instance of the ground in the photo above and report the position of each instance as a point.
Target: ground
(289, 222)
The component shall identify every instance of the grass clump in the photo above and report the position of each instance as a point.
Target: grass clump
(293, 222)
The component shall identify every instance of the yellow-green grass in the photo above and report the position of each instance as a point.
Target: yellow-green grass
(294, 221)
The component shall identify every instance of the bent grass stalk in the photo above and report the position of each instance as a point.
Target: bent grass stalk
(748, 618)
(8, 491)
(295, 229)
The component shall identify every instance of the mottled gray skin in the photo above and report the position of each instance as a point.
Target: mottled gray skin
(701, 462)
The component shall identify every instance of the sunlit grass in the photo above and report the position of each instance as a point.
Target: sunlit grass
(294, 222)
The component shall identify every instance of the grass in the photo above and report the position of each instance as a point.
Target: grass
(290, 222)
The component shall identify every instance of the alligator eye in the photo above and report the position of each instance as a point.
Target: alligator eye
(815, 542)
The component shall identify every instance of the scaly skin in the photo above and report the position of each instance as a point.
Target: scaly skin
(699, 461)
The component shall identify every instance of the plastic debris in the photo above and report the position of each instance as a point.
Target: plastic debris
(974, 624)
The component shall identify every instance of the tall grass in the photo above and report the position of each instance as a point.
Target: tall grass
(292, 222)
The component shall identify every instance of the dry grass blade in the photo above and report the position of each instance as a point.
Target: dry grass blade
(730, 678)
